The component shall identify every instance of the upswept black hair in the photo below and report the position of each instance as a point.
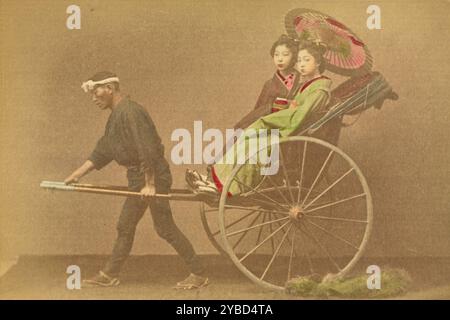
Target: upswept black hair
(317, 51)
(290, 43)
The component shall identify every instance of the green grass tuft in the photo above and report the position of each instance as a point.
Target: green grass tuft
(393, 282)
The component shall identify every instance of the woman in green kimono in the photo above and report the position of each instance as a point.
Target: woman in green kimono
(313, 95)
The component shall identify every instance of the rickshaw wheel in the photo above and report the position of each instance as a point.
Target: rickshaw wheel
(281, 234)
(210, 222)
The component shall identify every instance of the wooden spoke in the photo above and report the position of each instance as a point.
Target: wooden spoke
(333, 236)
(295, 252)
(271, 239)
(335, 203)
(237, 221)
(264, 241)
(319, 244)
(276, 252)
(229, 206)
(301, 173)
(329, 187)
(277, 188)
(245, 232)
(262, 194)
(261, 229)
(306, 255)
(337, 219)
(291, 254)
(255, 226)
(318, 176)
(265, 203)
(283, 165)
(273, 183)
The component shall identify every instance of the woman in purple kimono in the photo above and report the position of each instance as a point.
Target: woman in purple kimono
(277, 92)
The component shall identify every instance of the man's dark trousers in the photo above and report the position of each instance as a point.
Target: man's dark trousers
(133, 210)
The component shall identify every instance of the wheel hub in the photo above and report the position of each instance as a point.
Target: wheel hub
(295, 213)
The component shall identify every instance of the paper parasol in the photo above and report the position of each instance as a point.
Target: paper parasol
(345, 53)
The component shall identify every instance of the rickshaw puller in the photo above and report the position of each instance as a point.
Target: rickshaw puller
(131, 140)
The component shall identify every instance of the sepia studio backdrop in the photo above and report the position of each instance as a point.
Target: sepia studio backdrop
(207, 60)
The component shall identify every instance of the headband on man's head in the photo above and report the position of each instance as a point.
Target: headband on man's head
(90, 84)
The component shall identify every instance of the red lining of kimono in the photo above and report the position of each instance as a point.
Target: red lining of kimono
(311, 81)
(217, 182)
(281, 102)
(277, 109)
(280, 75)
(288, 81)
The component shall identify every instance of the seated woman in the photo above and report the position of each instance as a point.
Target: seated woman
(284, 84)
(313, 95)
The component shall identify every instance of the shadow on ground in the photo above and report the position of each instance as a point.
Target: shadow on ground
(152, 277)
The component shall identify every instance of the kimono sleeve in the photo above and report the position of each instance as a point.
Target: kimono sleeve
(144, 138)
(265, 99)
(290, 120)
(262, 107)
(102, 154)
(315, 101)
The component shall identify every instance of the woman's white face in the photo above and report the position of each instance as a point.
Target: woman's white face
(282, 57)
(306, 63)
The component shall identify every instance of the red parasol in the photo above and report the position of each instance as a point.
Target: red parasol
(346, 54)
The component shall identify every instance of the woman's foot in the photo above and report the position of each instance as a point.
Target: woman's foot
(193, 178)
(199, 183)
(209, 188)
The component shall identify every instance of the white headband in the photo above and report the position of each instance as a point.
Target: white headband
(89, 85)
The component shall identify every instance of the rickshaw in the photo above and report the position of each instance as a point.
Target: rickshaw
(313, 218)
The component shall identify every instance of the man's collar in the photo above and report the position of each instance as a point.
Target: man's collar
(122, 102)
